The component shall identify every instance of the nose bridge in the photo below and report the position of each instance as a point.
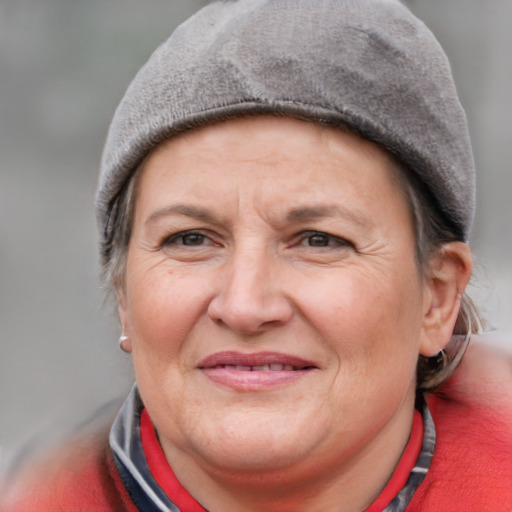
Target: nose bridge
(249, 298)
(251, 280)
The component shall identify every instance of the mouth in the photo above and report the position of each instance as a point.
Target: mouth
(252, 372)
(261, 361)
(272, 367)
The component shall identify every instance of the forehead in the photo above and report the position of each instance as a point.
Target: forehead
(271, 159)
(266, 128)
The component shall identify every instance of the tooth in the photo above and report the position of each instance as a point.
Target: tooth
(229, 366)
(276, 367)
(288, 367)
(243, 368)
(261, 367)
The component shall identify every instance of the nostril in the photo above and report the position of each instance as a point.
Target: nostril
(248, 300)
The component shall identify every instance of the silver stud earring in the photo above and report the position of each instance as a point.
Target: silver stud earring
(122, 339)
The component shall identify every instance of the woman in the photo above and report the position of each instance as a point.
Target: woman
(286, 194)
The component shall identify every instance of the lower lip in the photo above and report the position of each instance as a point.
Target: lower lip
(253, 380)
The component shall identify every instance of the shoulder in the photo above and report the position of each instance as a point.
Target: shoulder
(80, 476)
(472, 464)
(484, 377)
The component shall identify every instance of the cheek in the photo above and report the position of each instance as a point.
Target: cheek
(164, 306)
(164, 309)
(372, 321)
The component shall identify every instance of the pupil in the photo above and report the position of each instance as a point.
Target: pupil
(192, 239)
(318, 241)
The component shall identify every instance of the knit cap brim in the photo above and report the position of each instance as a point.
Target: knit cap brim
(366, 65)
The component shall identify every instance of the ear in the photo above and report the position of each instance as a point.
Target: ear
(124, 319)
(449, 272)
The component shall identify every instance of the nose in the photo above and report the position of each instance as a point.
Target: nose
(250, 299)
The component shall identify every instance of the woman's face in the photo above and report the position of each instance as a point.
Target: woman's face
(272, 298)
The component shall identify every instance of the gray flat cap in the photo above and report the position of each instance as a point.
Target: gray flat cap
(368, 65)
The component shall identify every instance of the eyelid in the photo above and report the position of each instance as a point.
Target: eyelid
(297, 241)
(339, 240)
(172, 239)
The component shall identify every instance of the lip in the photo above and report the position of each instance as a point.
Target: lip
(244, 372)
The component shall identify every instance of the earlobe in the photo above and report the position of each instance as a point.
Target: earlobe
(125, 339)
(449, 273)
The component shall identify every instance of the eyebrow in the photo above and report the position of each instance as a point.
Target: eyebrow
(183, 209)
(299, 214)
(313, 212)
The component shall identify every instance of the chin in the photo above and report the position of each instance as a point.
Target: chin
(251, 443)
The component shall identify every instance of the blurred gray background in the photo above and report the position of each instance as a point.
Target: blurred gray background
(64, 66)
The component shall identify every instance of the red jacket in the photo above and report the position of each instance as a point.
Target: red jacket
(471, 470)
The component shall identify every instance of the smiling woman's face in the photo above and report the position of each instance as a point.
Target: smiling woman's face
(272, 298)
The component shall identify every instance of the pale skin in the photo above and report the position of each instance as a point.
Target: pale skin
(290, 243)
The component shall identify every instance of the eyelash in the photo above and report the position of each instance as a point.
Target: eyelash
(325, 239)
(331, 240)
(174, 239)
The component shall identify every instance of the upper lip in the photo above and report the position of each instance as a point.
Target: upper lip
(255, 359)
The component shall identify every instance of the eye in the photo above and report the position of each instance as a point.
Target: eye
(318, 240)
(321, 239)
(187, 238)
